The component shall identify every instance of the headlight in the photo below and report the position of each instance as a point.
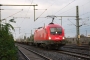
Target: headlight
(63, 37)
(49, 38)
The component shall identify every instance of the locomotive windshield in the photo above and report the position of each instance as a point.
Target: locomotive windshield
(55, 30)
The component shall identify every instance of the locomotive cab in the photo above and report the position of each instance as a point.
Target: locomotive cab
(56, 30)
(56, 34)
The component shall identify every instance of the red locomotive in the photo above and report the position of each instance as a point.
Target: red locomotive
(50, 36)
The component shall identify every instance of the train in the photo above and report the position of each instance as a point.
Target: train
(50, 36)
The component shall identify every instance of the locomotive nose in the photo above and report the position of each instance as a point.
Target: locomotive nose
(56, 37)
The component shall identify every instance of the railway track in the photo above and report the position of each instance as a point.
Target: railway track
(82, 50)
(81, 56)
(58, 55)
(22, 56)
(39, 56)
(79, 47)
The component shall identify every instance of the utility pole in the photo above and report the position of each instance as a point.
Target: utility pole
(41, 14)
(86, 33)
(31, 32)
(77, 25)
(0, 12)
(21, 5)
(34, 13)
(0, 16)
(61, 21)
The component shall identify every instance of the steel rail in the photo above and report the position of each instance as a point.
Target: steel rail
(75, 54)
(24, 55)
(42, 56)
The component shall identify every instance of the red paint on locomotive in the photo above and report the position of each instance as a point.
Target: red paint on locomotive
(50, 34)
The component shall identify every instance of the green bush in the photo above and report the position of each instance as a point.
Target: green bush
(8, 50)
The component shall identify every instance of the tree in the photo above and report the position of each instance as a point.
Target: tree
(7, 46)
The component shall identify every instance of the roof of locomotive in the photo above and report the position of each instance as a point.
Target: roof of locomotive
(49, 25)
(52, 25)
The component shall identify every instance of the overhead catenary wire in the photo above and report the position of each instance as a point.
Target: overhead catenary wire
(74, 24)
(52, 4)
(13, 14)
(45, 10)
(84, 13)
(71, 22)
(65, 6)
(69, 3)
(83, 8)
(84, 22)
(27, 11)
(37, 24)
(74, 7)
(29, 8)
(41, 14)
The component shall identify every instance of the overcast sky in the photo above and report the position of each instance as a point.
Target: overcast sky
(54, 7)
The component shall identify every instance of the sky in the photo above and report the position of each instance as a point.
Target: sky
(24, 15)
